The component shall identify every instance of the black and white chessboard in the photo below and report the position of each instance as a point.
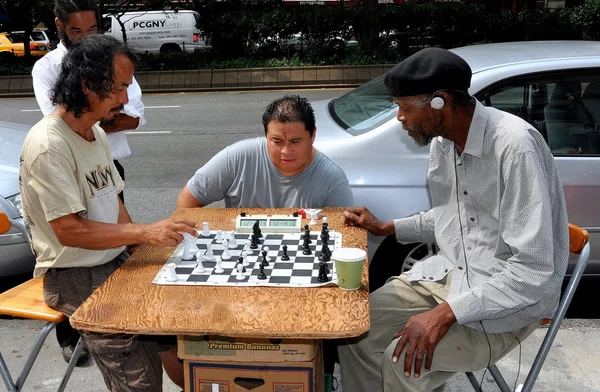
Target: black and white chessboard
(300, 271)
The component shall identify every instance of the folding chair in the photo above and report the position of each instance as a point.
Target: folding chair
(578, 244)
(27, 301)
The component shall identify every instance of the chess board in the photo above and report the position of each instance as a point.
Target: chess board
(300, 271)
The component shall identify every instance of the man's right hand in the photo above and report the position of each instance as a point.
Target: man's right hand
(168, 232)
(362, 217)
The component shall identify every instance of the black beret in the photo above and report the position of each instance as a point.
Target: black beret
(428, 71)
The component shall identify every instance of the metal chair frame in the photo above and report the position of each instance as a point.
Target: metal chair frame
(578, 244)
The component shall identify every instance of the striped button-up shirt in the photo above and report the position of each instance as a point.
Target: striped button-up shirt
(510, 261)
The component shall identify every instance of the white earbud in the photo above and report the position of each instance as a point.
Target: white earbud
(437, 102)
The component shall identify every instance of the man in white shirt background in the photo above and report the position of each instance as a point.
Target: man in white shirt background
(76, 19)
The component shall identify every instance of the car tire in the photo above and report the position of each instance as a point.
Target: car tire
(392, 259)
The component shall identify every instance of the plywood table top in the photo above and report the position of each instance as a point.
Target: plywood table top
(129, 302)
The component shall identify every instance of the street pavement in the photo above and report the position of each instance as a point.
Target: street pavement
(571, 366)
(183, 132)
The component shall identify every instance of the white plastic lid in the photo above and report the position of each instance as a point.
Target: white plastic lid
(349, 254)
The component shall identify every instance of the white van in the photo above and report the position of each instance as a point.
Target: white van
(165, 31)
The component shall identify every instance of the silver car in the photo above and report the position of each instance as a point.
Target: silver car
(553, 85)
(15, 251)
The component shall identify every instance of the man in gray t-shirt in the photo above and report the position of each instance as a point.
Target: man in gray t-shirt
(281, 170)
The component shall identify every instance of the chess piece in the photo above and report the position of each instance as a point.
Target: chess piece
(171, 273)
(264, 262)
(306, 248)
(307, 235)
(247, 247)
(245, 261)
(218, 268)
(285, 256)
(323, 273)
(240, 261)
(209, 255)
(240, 275)
(325, 223)
(261, 272)
(219, 237)
(266, 248)
(232, 242)
(199, 268)
(313, 214)
(226, 255)
(187, 252)
(205, 231)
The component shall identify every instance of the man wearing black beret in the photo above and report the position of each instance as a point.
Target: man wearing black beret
(499, 220)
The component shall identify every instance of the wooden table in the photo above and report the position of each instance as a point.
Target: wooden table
(128, 302)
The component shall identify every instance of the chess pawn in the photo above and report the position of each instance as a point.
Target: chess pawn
(219, 237)
(199, 268)
(313, 214)
(245, 261)
(209, 255)
(247, 247)
(171, 274)
(218, 268)
(205, 231)
(240, 275)
(232, 241)
(266, 248)
(285, 256)
(226, 255)
(264, 262)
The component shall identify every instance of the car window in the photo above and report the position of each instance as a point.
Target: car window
(364, 108)
(564, 108)
(37, 36)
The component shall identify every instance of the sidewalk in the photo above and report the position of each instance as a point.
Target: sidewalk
(572, 365)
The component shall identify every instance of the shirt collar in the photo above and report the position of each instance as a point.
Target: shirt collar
(61, 47)
(475, 139)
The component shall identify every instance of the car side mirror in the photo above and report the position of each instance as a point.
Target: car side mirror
(4, 223)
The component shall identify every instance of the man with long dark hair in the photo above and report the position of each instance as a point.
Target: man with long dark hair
(76, 19)
(80, 228)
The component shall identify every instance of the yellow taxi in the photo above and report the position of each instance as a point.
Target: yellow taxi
(13, 45)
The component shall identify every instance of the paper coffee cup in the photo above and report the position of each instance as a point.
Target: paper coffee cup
(349, 265)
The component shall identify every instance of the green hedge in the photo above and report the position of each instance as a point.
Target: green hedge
(243, 34)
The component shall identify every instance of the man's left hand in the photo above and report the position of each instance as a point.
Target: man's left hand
(421, 335)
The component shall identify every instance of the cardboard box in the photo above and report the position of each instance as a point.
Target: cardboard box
(224, 349)
(254, 376)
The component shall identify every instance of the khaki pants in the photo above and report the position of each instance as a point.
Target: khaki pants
(366, 361)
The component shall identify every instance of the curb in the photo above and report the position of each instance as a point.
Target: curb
(201, 80)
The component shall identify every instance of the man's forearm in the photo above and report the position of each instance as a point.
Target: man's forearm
(122, 122)
(89, 234)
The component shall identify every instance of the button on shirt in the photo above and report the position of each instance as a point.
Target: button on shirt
(45, 73)
(510, 261)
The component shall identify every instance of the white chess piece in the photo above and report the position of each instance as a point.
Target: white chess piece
(266, 248)
(199, 268)
(324, 219)
(245, 263)
(208, 256)
(218, 268)
(232, 242)
(240, 275)
(226, 255)
(313, 214)
(205, 230)
(171, 274)
(219, 237)
(247, 248)
(187, 248)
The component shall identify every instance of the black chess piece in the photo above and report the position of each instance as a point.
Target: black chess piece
(254, 242)
(285, 256)
(261, 272)
(323, 273)
(306, 249)
(240, 261)
(256, 229)
(264, 258)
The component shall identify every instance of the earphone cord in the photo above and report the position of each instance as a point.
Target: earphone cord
(463, 244)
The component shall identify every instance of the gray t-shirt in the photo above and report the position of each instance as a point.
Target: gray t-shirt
(244, 175)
